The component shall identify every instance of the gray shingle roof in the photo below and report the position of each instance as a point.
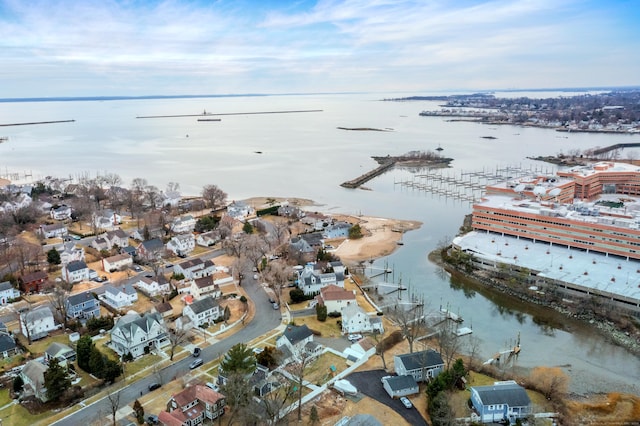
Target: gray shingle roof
(79, 298)
(511, 394)
(297, 333)
(6, 343)
(203, 305)
(5, 286)
(76, 265)
(399, 383)
(422, 359)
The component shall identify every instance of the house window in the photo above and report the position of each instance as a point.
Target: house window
(491, 407)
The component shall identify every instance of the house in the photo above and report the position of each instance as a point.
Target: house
(37, 323)
(70, 252)
(133, 333)
(356, 320)
(82, 306)
(207, 239)
(153, 286)
(192, 406)
(130, 250)
(75, 271)
(62, 352)
(201, 287)
(183, 224)
(298, 340)
(316, 220)
(239, 210)
(116, 238)
(182, 244)
(423, 365)
(100, 243)
(202, 311)
(32, 375)
(155, 232)
(120, 296)
(117, 263)
(165, 309)
(337, 230)
(195, 268)
(314, 239)
(361, 348)
(33, 282)
(171, 198)
(312, 281)
(299, 246)
(335, 298)
(150, 249)
(287, 210)
(7, 293)
(62, 212)
(57, 230)
(398, 386)
(8, 346)
(500, 402)
(107, 220)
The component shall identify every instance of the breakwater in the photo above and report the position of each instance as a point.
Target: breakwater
(354, 183)
(230, 113)
(36, 122)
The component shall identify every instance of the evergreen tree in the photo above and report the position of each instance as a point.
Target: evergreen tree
(239, 359)
(227, 314)
(96, 362)
(139, 411)
(247, 228)
(56, 380)
(53, 257)
(111, 370)
(321, 312)
(83, 352)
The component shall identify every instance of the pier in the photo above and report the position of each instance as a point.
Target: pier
(229, 113)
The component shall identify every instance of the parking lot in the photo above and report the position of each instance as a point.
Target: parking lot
(368, 383)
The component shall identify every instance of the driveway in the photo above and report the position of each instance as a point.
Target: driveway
(368, 383)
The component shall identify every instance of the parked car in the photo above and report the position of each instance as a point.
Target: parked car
(153, 386)
(137, 268)
(275, 305)
(196, 352)
(354, 337)
(405, 401)
(195, 363)
(152, 419)
(213, 386)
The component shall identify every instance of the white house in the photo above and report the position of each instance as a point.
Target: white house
(207, 239)
(153, 286)
(335, 298)
(117, 262)
(298, 340)
(183, 224)
(56, 230)
(182, 244)
(37, 323)
(107, 220)
(356, 320)
(7, 292)
(70, 252)
(195, 268)
(62, 212)
(171, 198)
(204, 286)
(337, 230)
(63, 353)
(75, 271)
(204, 310)
(239, 210)
(133, 333)
(119, 296)
(32, 375)
(312, 281)
(116, 238)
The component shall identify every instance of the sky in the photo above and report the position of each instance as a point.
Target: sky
(52, 48)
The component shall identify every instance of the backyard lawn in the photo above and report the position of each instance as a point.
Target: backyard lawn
(320, 371)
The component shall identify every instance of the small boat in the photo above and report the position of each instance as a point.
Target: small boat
(345, 387)
(4, 139)
(439, 148)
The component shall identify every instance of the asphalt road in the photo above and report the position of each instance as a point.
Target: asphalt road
(368, 383)
(265, 320)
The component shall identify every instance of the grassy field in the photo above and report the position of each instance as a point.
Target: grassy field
(328, 328)
(319, 372)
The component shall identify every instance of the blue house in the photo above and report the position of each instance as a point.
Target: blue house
(82, 306)
(502, 401)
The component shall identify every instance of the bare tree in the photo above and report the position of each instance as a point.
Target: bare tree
(58, 299)
(551, 381)
(152, 195)
(298, 368)
(173, 187)
(448, 342)
(411, 321)
(255, 249)
(280, 231)
(275, 401)
(177, 336)
(237, 391)
(214, 196)
(276, 274)
(114, 404)
(225, 227)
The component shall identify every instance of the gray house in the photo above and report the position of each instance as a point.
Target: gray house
(502, 401)
(398, 386)
(423, 365)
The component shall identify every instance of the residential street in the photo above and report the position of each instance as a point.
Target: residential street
(265, 320)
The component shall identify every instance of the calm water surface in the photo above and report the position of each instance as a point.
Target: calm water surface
(305, 155)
